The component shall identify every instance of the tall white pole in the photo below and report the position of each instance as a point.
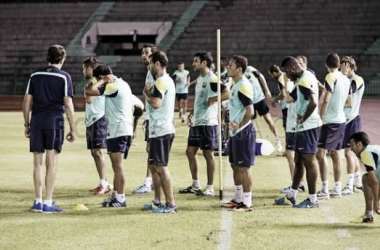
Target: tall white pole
(219, 116)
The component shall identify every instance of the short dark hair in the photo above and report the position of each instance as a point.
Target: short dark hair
(91, 62)
(332, 60)
(101, 70)
(159, 56)
(287, 60)
(152, 47)
(274, 68)
(351, 61)
(55, 54)
(361, 137)
(181, 63)
(241, 62)
(205, 57)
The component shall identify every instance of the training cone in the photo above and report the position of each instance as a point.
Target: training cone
(80, 207)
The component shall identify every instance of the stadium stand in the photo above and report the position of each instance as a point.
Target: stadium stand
(25, 37)
(265, 35)
(254, 28)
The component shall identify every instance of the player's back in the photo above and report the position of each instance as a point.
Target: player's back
(161, 119)
(370, 157)
(357, 89)
(252, 75)
(50, 86)
(339, 85)
(119, 109)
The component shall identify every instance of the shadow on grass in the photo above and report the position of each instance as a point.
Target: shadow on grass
(328, 226)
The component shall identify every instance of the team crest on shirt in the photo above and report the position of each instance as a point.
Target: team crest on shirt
(204, 85)
(248, 76)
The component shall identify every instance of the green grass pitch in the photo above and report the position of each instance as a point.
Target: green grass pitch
(198, 222)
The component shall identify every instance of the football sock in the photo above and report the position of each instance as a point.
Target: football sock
(247, 199)
(350, 181)
(238, 194)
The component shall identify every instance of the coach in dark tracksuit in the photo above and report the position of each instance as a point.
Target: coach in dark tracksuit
(48, 95)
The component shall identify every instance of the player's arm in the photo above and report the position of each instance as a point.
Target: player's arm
(188, 80)
(190, 118)
(192, 82)
(325, 104)
(88, 99)
(249, 112)
(69, 110)
(95, 88)
(225, 93)
(329, 85)
(313, 103)
(322, 92)
(348, 103)
(154, 98)
(26, 107)
(279, 98)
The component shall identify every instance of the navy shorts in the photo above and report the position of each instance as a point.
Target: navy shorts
(352, 127)
(307, 141)
(242, 147)
(96, 134)
(332, 136)
(261, 108)
(290, 141)
(46, 139)
(284, 117)
(119, 144)
(204, 137)
(146, 130)
(159, 150)
(181, 96)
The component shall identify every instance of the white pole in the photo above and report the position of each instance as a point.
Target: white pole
(219, 116)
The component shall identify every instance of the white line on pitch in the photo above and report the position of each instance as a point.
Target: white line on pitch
(226, 220)
(341, 233)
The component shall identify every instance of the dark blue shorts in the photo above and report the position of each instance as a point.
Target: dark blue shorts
(146, 130)
(119, 144)
(290, 141)
(46, 139)
(242, 147)
(96, 134)
(204, 137)
(159, 150)
(352, 127)
(284, 117)
(332, 136)
(307, 141)
(181, 96)
(261, 108)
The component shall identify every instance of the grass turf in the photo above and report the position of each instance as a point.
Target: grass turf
(196, 226)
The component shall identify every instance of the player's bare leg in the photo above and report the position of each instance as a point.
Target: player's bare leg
(268, 119)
